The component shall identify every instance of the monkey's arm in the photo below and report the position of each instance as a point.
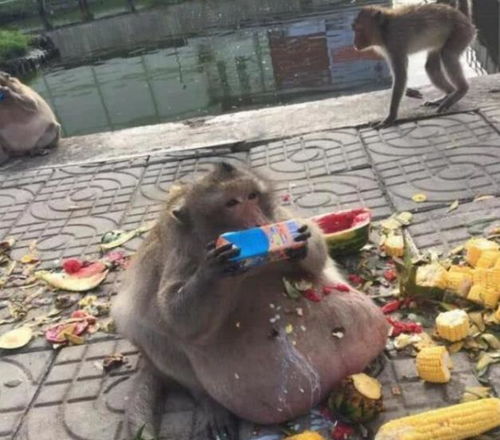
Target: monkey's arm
(399, 66)
(197, 307)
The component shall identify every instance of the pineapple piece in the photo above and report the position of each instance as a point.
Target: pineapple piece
(488, 259)
(476, 246)
(459, 282)
(456, 422)
(453, 325)
(394, 246)
(367, 386)
(431, 275)
(358, 398)
(433, 364)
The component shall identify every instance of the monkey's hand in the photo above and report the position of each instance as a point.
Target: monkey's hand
(301, 252)
(218, 260)
(5, 93)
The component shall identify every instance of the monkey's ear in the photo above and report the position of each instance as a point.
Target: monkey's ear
(180, 214)
(380, 18)
(225, 168)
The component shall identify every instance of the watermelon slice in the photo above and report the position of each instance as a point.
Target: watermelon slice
(345, 231)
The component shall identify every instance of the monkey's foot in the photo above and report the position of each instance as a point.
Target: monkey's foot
(435, 102)
(414, 93)
(215, 422)
(382, 124)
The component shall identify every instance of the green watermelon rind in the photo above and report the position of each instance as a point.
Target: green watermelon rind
(349, 241)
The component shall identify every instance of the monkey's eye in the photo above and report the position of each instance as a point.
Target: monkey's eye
(252, 196)
(231, 203)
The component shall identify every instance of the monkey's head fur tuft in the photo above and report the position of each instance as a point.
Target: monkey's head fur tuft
(229, 198)
(368, 27)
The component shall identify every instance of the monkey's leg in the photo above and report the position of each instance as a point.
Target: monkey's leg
(145, 404)
(399, 67)
(451, 62)
(435, 73)
(214, 422)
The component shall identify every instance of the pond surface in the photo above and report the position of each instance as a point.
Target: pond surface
(157, 66)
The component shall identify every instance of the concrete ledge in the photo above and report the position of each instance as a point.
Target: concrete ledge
(253, 126)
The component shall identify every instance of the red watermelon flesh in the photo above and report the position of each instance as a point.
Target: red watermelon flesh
(342, 221)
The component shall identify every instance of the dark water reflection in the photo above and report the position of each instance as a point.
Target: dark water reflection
(306, 55)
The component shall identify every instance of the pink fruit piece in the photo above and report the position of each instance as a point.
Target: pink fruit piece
(312, 295)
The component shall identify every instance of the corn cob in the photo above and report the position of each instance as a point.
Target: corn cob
(488, 259)
(457, 422)
(459, 282)
(484, 295)
(460, 269)
(433, 364)
(394, 246)
(453, 325)
(476, 246)
(497, 265)
(489, 278)
(306, 435)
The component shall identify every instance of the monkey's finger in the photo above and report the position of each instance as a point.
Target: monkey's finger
(211, 245)
(227, 255)
(221, 249)
(303, 237)
(303, 228)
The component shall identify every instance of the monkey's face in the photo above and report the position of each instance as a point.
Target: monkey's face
(366, 29)
(238, 205)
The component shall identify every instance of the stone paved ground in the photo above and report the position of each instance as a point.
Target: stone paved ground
(63, 395)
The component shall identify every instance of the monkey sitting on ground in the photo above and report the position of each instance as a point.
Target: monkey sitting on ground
(233, 339)
(27, 123)
(445, 32)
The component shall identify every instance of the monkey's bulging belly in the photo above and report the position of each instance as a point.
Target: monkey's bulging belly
(276, 357)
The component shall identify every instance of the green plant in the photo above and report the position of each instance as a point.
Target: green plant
(12, 44)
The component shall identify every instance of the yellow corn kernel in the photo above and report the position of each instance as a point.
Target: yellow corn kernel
(488, 259)
(475, 293)
(458, 282)
(394, 246)
(453, 325)
(497, 265)
(306, 435)
(456, 422)
(489, 278)
(460, 269)
(476, 246)
(491, 298)
(433, 364)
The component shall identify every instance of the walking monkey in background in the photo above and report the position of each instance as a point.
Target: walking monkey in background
(441, 29)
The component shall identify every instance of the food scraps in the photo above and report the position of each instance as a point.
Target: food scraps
(71, 329)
